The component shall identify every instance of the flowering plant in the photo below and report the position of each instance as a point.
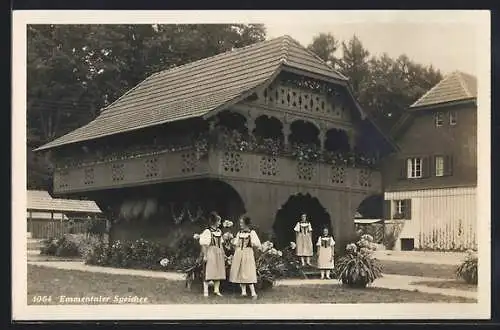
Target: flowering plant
(358, 267)
(467, 270)
(227, 224)
(164, 262)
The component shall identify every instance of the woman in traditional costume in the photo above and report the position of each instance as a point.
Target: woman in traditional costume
(303, 234)
(326, 248)
(213, 254)
(243, 270)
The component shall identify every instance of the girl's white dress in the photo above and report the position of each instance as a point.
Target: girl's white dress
(304, 239)
(243, 269)
(215, 268)
(325, 245)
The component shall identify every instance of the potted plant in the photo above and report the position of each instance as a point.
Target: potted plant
(467, 270)
(358, 267)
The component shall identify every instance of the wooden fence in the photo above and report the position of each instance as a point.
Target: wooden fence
(56, 228)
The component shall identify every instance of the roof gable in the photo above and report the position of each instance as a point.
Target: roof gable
(197, 88)
(457, 86)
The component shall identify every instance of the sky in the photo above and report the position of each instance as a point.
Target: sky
(447, 46)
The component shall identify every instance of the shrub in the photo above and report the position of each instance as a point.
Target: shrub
(391, 236)
(139, 254)
(61, 247)
(358, 267)
(467, 270)
(49, 246)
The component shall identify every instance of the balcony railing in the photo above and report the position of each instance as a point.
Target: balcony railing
(168, 166)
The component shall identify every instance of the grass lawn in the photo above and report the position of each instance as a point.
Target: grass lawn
(44, 281)
(418, 269)
(451, 284)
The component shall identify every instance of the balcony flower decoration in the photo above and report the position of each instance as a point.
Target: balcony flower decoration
(358, 267)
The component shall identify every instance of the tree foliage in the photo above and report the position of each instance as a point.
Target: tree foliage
(325, 46)
(75, 70)
(384, 86)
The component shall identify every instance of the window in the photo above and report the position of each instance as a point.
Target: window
(414, 168)
(402, 209)
(439, 161)
(438, 119)
(453, 118)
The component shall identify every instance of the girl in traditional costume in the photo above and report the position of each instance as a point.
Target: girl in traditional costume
(303, 233)
(326, 245)
(213, 254)
(243, 270)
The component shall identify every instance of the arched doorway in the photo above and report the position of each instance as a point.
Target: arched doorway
(369, 217)
(303, 132)
(290, 212)
(337, 140)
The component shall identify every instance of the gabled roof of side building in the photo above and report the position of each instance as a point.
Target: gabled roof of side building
(456, 86)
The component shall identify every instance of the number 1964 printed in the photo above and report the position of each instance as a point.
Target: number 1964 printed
(41, 299)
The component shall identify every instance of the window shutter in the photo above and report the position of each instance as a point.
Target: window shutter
(407, 207)
(448, 165)
(426, 167)
(387, 210)
(403, 171)
(432, 165)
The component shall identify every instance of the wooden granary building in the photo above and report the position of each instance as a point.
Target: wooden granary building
(269, 130)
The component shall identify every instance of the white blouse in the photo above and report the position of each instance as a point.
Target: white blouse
(206, 236)
(328, 239)
(254, 239)
(300, 225)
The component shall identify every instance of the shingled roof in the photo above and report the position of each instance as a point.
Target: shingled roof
(456, 86)
(40, 200)
(197, 88)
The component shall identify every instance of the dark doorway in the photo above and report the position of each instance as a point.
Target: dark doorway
(290, 212)
(371, 207)
(407, 244)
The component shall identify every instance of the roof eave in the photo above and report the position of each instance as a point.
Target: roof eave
(433, 106)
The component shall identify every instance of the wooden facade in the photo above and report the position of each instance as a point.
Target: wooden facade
(313, 105)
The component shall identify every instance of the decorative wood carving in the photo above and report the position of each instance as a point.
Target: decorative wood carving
(232, 162)
(117, 172)
(305, 171)
(364, 178)
(189, 162)
(338, 174)
(88, 176)
(269, 166)
(301, 100)
(151, 169)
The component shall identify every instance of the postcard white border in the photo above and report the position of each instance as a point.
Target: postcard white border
(22, 311)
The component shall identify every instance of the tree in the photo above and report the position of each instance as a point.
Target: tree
(354, 63)
(325, 45)
(75, 70)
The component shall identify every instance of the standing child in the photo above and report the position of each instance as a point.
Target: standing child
(303, 233)
(326, 248)
(213, 254)
(243, 270)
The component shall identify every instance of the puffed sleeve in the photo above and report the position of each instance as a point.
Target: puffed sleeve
(297, 227)
(254, 239)
(310, 227)
(319, 241)
(205, 237)
(332, 241)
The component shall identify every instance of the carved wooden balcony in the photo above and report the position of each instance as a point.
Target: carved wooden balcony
(171, 166)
